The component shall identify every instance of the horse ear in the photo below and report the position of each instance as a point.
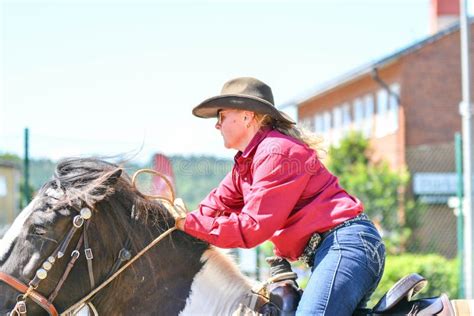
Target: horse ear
(101, 187)
(113, 177)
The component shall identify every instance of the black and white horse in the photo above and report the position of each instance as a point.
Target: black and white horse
(180, 275)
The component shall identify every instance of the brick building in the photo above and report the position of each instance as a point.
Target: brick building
(407, 104)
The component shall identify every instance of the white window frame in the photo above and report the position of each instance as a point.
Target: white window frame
(318, 124)
(381, 118)
(327, 121)
(346, 118)
(359, 116)
(306, 123)
(322, 125)
(368, 115)
(337, 127)
(393, 108)
(327, 125)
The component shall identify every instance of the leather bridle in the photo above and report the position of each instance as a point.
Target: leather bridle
(79, 221)
(29, 291)
(20, 308)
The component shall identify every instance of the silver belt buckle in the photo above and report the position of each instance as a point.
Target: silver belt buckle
(314, 241)
(309, 251)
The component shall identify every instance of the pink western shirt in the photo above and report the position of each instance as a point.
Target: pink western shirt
(278, 190)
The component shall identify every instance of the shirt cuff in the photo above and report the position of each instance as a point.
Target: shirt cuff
(198, 226)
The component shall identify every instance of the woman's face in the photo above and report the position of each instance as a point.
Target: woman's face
(233, 127)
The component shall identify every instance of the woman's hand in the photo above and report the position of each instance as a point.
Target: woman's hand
(179, 223)
(181, 211)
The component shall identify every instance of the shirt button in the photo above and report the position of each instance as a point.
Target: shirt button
(245, 179)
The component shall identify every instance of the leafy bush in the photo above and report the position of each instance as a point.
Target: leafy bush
(441, 273)
(380, 189)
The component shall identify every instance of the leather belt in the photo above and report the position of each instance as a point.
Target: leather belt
(307, 256)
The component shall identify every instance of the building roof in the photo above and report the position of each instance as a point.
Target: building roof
(369, 67)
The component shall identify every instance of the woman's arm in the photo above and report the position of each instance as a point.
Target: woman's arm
(275, 190)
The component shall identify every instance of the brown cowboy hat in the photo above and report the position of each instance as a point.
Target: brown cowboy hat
(244, 93)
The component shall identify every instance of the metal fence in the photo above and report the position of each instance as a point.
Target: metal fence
(434, 184)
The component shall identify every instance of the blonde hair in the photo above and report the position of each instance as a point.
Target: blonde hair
(299, 133)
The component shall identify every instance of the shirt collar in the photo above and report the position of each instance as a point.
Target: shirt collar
(256, 140)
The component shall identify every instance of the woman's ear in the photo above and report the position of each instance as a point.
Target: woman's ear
(248, 115)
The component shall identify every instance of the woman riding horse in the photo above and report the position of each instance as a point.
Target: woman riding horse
(278, 190)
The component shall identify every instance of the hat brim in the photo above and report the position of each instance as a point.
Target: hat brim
(210, 107)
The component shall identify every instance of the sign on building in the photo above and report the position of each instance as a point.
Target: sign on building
(434, 188)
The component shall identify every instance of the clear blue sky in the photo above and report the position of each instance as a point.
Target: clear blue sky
(109, 77)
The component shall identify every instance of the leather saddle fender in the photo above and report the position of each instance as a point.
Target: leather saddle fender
(404, 289)
(399, 300)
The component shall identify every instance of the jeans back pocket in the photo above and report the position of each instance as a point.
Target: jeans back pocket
(374, 251)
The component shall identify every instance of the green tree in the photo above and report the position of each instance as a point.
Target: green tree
(379, 188)
(196, 176)
(11, 157)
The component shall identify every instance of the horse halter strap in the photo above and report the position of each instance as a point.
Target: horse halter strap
(29, 291)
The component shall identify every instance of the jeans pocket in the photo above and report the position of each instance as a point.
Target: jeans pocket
(374, 252)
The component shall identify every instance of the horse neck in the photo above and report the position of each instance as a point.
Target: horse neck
(180, 275)
(218, 288)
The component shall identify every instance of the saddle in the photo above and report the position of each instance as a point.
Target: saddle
(285, 295)
(399, 300)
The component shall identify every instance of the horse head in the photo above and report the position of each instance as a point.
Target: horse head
(44, 236)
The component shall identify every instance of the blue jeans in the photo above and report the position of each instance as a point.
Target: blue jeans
(347, 268)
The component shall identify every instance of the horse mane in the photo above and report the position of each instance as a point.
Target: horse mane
(92, 180)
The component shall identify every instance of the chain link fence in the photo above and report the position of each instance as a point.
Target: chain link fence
(428, 239)
(434, 183)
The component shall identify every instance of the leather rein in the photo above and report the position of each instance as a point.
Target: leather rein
(79, 221)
